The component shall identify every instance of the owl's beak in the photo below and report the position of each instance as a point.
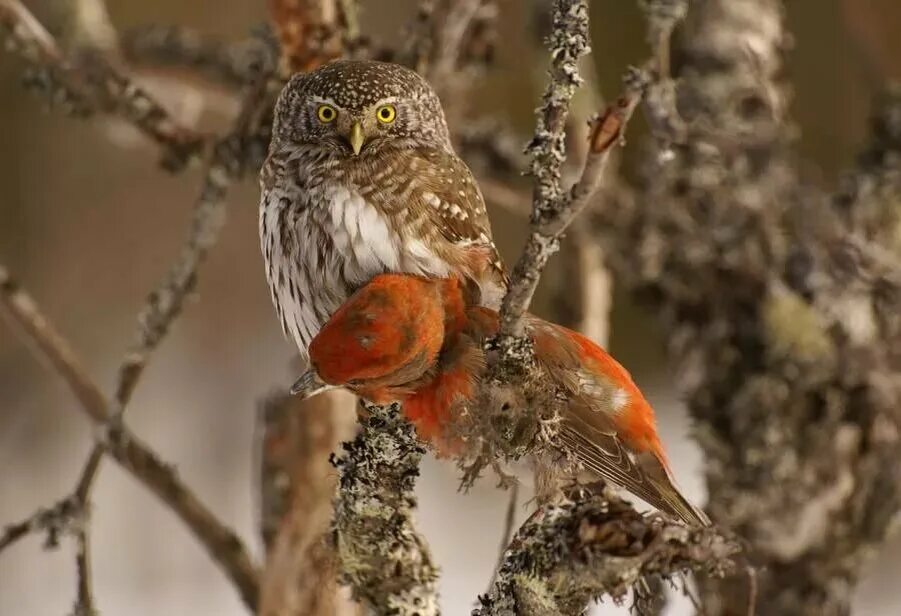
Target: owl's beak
(356, 138)
(309, 384)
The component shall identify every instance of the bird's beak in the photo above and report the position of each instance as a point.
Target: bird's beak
(309, 385)
(356, 138)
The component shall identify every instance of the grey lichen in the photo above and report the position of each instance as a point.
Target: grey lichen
(592, 546)
(568, 42)
(382, 557)
(870, 197)
(781, 317)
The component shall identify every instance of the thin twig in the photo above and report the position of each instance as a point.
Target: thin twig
(81, 497)
(553, 208)
(507, 532)
(84, 603)
(14, 532)
(94, 86)
(234, 64)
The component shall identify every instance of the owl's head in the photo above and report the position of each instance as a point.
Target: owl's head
(357, 108)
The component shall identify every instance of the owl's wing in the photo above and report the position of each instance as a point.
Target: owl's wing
(437, 208)
(451, 203)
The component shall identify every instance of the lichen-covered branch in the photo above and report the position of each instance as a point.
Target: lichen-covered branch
(566, 555)
(93, 86)
(382, 557)
(868, 200)
(782, 320)
(554, 208)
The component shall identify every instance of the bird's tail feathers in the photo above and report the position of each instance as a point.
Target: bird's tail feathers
(659, 475)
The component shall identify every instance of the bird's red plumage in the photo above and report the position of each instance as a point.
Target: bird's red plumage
(420, 341)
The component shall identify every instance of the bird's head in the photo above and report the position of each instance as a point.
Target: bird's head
(354, 109)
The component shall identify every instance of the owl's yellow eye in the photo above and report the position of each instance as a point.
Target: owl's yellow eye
(386, 114)
(326, 113)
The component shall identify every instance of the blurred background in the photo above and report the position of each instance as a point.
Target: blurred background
(89, 225)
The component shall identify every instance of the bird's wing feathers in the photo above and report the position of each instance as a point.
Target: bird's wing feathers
(600, 451)
(589, 429)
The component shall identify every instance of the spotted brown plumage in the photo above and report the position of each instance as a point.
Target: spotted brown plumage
(347, 194)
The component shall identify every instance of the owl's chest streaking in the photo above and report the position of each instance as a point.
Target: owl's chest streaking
(321, 240)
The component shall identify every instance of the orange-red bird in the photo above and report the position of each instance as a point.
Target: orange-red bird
(419, 341)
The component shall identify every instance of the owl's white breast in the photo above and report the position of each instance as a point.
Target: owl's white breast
(371, 244)
(340, 242)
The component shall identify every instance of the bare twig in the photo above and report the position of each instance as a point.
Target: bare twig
(94, 86)
(591, 546)
(55, 521)
(23, 309)
(84, 602)
(221, 543)
(165, 303)
(507, 532)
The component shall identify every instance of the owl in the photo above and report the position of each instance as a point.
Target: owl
(361, 179)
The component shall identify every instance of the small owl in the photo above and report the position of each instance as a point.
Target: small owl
(361, 179)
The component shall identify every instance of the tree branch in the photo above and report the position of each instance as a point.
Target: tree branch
(309, 32)
(594, 545)
(62, 358)
(235, 64)
(553, 209)
(94, 86)
(382, 557)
